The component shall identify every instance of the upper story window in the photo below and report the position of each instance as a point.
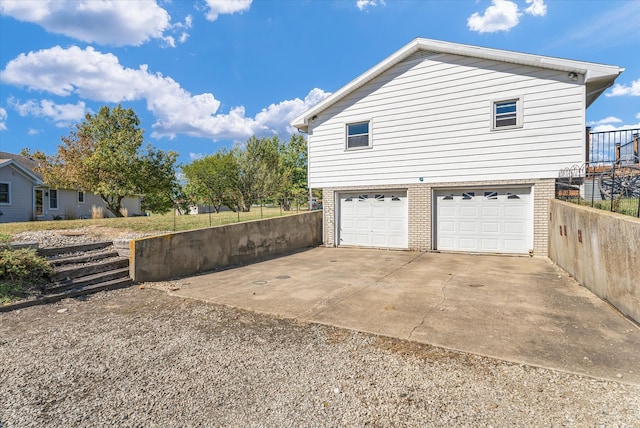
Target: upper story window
(507, 114)
(53, 199)
(5, 193)
(80, 197)
(358, 135)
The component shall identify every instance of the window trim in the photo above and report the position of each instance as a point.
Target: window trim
(8, 183)
(81, 192)
(494, 116)
(369, 134)
(57, 207)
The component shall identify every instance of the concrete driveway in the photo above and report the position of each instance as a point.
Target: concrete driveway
(519, 309)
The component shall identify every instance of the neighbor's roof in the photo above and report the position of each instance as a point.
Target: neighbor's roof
(22, 163)
(597, 77)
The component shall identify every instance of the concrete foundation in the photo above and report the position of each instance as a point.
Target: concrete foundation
(601, 250)
(180, 254)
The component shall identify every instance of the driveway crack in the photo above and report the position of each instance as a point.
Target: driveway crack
(430, 311)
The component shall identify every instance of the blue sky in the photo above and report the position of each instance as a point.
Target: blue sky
(203, 75)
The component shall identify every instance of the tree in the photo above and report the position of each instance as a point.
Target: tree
(257, 170)
(212, 180)
(292, 171)
(103, 155)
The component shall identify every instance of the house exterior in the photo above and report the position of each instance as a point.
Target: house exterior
(24, 196)
(450, 147)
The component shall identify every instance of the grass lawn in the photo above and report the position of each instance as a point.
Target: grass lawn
(153, 223)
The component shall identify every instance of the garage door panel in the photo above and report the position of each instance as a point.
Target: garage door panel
(490, 227)
(484, 220)
(375, 219)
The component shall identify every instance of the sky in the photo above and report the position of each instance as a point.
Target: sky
(207, 74)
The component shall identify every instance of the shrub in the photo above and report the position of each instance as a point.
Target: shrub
(21, 270)
(97, 212)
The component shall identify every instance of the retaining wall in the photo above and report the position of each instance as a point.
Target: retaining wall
(601, 250)
(179, 254)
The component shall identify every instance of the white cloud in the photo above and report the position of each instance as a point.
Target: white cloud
(363, 4)
(609, 119)
(537, 8)
(502, 15)
(222, 7)
(195, 156)
(61, 114)
(93, 75)
(3, 119)
(637, 115)
(620, 90)
(117, 23)
(32, 131)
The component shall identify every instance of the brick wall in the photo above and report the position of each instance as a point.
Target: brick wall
(420, 221)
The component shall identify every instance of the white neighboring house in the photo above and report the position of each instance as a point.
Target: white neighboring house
(450, 147)
(25, 197)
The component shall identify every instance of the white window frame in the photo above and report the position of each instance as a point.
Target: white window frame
(369, 134)
(494, 116)
(57, 207)
(8, 183)
(84, 196)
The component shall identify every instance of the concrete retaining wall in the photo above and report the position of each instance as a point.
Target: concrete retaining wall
(179, 254)
(601, 250)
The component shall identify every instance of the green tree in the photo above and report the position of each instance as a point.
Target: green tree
(103, 155)
(257, 175)
(291, 184)
(212, 180)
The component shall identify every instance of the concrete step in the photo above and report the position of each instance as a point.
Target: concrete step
(87, 280)
(85, 258)
(74, 271)
(79, 291)
(54, 251)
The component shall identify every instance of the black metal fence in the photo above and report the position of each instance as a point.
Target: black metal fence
(610, 179)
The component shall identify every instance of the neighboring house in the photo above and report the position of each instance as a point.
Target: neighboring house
(24, 196)
(450, 147)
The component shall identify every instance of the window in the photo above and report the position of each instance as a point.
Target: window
(358, 135)
(507, 114)
(466, 196)
(53, 199)
(80, 197)
(491, 195)
(5, 193)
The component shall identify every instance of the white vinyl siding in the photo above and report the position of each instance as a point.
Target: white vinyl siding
(433, 121)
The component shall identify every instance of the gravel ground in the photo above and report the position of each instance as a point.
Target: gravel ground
(140, 358)
(63, 237)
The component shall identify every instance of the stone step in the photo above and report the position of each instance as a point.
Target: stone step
(89, 269)
(54, 251)
(87, 257)
(79, 291)
(87, 280)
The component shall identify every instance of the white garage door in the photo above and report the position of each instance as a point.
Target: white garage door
(484, 220)
(373, 219)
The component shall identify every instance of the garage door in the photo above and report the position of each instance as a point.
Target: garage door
(373, 219)
(484, 220)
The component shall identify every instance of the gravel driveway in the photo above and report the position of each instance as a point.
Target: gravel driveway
(138, 357)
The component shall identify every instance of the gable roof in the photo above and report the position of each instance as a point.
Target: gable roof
(24, 165)
(597, 77)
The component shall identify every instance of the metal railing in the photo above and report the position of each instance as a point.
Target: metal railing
(610, 178)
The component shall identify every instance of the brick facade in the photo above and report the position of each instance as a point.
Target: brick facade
(420, 217)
